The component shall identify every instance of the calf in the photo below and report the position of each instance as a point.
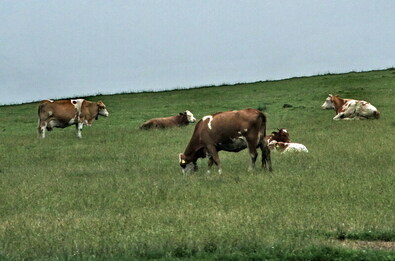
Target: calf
(182, 119)
(350, 109)
(64, 113)
(287, 146)
(280, 141)
(229, 131)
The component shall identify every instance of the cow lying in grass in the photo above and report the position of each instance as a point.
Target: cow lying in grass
(182, 119)
(287, 146)
(280, 141)
(347, 109)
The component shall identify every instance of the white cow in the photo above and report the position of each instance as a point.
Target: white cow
(347, 109)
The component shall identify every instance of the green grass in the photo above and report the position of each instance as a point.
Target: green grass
(118, 193)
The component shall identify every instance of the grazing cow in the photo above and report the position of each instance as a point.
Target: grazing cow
(350, 109)
(287, 146)
(63, 113)
(182, 119)
(229, 131)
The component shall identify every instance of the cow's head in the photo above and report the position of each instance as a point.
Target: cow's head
(189, 116)
(328, 104)
(281, 135)
(186, 165)
(102, 109)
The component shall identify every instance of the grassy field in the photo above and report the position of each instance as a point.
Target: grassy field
(118, 193)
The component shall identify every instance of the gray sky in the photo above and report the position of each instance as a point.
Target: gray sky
(55, 49)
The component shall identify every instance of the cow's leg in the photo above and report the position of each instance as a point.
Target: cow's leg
(266, 161)
(253, 155)
(79, 126)
(210, 163)
(339, 116)
(195, 166)
(42, 125)
(214, 158)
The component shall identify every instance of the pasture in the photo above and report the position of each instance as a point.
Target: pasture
(118, 193)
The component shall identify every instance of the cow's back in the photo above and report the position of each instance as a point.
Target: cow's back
(165, 122)
(62, 110)
(230, 124)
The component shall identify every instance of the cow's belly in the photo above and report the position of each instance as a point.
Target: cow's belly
(59, 124)
(233, 145)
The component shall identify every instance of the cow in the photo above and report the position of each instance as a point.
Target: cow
(347, 109)
(64, 113)
(287, 146)
(280, 141)
(182, 119)
(231, 131)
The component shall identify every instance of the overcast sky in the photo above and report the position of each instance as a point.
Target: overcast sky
(69, 48)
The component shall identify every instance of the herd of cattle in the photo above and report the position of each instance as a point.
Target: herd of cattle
(231, 131)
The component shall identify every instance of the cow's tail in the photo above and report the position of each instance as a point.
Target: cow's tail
(39, 120)
(263, 143)
(262, 126)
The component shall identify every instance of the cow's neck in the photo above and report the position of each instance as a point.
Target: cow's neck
(93, 112)
(338, 103)
(193, 152)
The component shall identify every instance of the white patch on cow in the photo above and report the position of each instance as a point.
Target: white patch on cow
(190, 116)
(296, 147)
(328, 104)
(365, 109)
(50, 113)
(52, 124)
(79, 129)
(77, 104)
(285, 131)
(209, 122)
(245, 130)
(103, 112)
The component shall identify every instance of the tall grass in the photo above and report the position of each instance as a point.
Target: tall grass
(118, 193)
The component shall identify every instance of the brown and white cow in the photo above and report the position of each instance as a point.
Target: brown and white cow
(182, 119)
(228, 131)
(350, 109)
(287, 146)
(64, 113)
(280, 141)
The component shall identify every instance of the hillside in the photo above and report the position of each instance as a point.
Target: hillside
(118, 193)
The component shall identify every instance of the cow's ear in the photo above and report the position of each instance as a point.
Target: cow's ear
(330, 95)
(181, 113)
